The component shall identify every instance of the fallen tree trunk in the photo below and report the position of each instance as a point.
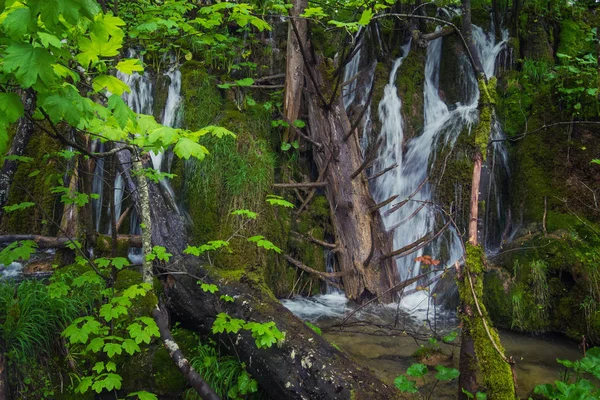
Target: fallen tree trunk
(104, 242)
(304, 366)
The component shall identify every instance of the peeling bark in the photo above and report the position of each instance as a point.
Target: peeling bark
(294, 77)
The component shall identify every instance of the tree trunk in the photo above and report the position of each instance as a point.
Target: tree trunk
(3, 376)
(359, 229)
(477, 330)
(294, 74)
(23, 134)
(467, 31)
(303, 366)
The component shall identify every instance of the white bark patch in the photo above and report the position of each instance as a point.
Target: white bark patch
(171, 346)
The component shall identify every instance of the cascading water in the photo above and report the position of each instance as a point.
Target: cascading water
(442, 125)
(417, 217)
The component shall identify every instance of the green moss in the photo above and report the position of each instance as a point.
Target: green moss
(572, 37)
(535, 39)
(496, 298)
(202, 100)
(36, 188)
(497, 375)
(410, 81)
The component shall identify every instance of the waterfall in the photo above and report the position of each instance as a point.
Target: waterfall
(417, 218)
(170, 113)
(350, 72)
(98, 185)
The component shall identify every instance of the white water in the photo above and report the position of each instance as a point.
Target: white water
(414, 157)
(98, 184)
(441, 127)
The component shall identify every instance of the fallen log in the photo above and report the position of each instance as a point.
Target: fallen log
(56, 242)
(303, 366)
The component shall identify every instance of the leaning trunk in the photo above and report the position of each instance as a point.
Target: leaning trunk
(478, 333)
(363, 245)
(294, 67)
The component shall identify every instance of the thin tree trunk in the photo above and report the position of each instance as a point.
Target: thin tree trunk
(189, 373)
(294, 77)
(3, 376)
(23, 133)
(146, 221)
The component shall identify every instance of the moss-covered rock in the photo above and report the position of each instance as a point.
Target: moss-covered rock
(410, 81)
(29, 185)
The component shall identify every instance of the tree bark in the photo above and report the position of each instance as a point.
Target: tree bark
(303, 366)
(294, 76)
(49, 242)
(23, 133)
(360, 233)
(467, 31)
(188, 372)
(3, 376)
(146, 221)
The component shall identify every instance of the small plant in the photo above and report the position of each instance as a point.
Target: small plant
(406, 385)
(579, 387)
(226, 375)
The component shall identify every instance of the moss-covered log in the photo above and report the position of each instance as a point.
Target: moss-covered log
(303, 366)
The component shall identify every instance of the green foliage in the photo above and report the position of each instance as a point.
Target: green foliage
(406, 385)
(579, 387)
(278, 201)
(226, 375)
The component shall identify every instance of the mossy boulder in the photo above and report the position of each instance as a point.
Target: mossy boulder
(535, 38)
(33, 182)
(547, 283)
(572, 39)
(410, 81)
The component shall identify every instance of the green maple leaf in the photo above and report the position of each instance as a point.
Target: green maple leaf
(130, 65)
(95, 345)
(29, 64)
(112, 348)
(110, 312)
(98, 367)
(49, 40)
(18, 22)
(186, 148)
(107, 25)
(93, 48)
(143, 395)
(84, 385)
(120, 262)
(130, 346)
(110, 83)
(121, 111)
(366, 17)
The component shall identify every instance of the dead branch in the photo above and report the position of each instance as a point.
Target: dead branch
(299, 185)
(383, 204)
(396, 207)
(388, 169)
(362, 112)
(48, 242)
(324, 275)
(310, 238)
(370, 158)
(417, 245)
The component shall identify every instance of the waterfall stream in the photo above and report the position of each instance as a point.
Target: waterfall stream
(417, 218)
(443, 123)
